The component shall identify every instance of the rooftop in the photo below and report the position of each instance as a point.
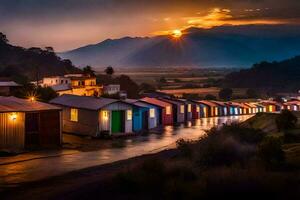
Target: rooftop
(84, 102)
(13, 104)
(8, 84)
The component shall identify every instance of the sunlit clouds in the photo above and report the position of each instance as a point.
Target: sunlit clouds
(73, 23)
(218, 17)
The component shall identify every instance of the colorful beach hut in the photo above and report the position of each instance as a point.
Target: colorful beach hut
(145, 115)
(94, 116)
(178, 108)
(166, 114)
(212, 108)
(27, 123)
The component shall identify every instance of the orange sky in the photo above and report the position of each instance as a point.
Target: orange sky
(69, 24)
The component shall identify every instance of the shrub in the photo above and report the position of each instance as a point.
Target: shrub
(270, 152)
(243, 134)
(286, 120)
(184, 148)
(227, 145)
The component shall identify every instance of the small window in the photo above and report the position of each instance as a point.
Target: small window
(129, 114)
(189, 108)
(270, 108)
(182, 109)
(216, 111)
(105, 115)
(62, 81)
(74, 115)
(66, 81)
(198, 109)
(236, 110)
(168, 110)
(152, 112)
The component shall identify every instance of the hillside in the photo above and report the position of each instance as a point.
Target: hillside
(33, 62)
(275, 76)
(225, 46)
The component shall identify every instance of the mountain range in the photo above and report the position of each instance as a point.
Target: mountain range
(223, 46)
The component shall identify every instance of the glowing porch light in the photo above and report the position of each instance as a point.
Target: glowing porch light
(13, 116)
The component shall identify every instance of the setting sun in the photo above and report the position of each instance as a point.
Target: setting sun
(177, 33)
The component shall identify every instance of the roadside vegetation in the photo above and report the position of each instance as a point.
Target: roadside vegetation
(229, 161)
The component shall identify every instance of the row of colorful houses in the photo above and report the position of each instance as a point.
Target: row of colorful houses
(26, 123)
(97, 116)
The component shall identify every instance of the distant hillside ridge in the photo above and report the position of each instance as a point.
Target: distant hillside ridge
(224, 46)
(274, 76)
(32, 63)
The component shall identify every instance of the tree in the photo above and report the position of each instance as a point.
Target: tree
(225, 94)
(128, 85)
(145, 87)
(286, 120)
(251, 93)
(270, 152)
(109, 70)
(49, 49)
(3, 38)
(210, 97)
(88, 70)
(46, 93)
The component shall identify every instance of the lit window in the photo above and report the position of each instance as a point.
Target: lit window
(152, 112)
(216, 111)
(295, 108)
(181, 109)
(189, 108)
(105, 115)
(129, 114)
(74, 115)
(168, 110)
(198, 109)
(205, 111)
(289, 107)
(270, 108)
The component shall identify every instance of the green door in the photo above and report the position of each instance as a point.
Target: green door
(116, 122)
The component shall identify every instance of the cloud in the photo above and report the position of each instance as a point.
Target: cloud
(67, 24)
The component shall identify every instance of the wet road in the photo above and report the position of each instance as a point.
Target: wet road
(35, 169)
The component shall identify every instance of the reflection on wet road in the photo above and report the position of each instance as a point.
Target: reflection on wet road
(35, 169)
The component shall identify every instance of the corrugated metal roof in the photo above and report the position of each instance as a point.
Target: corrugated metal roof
(220, 103)
(270, 102)
(251, 105)
(90, 103)
(8, 84)
(172, 101)
(156, 102)
(61, 87)
(13, 104)
(209, 103)
(295, 102)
